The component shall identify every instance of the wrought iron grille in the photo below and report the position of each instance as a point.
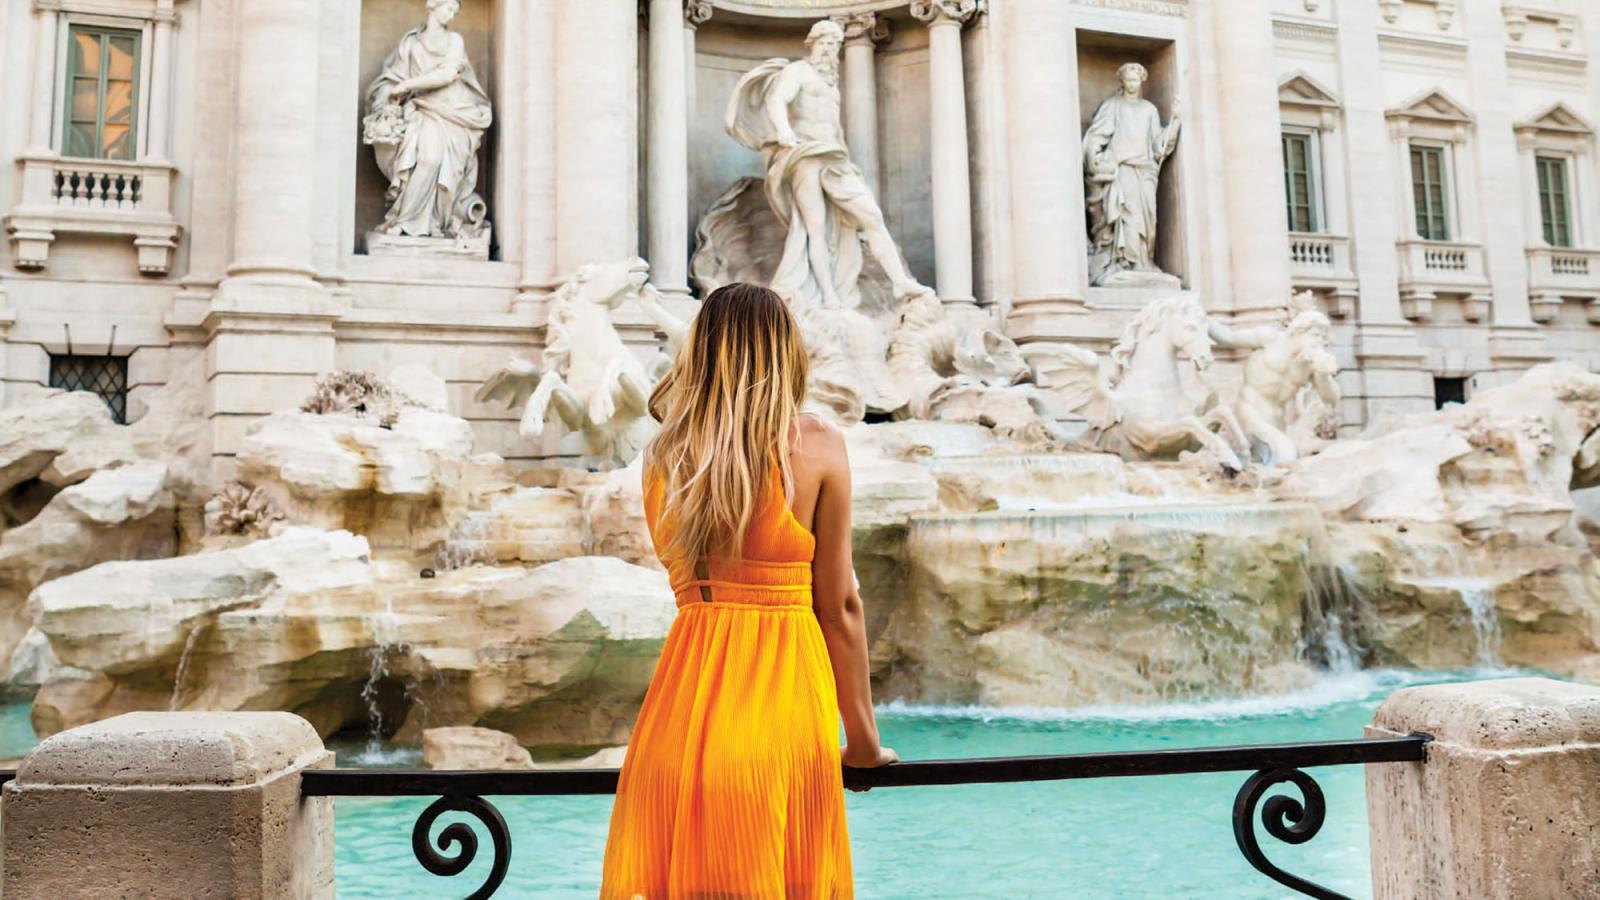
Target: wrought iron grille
(106, 376)
(1272, 766)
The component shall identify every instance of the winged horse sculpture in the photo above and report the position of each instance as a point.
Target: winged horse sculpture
(1140, 409)
(593, 382)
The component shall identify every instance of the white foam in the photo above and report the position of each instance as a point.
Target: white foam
(1350, 687)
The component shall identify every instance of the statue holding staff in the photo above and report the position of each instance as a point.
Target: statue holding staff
(1122, 155)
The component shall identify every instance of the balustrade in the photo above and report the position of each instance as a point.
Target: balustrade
(1429, 268)
(1559, 273)
(94, 196)
(1321, 262)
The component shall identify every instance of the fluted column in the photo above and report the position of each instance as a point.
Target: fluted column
(667, 150)
(45, 14)
(862, 32)
(1252, 155)
(947, 114)
(1048, 236)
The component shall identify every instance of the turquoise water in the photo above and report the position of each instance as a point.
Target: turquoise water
(1168, 836)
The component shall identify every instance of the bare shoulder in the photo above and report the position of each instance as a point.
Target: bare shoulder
(821, 443)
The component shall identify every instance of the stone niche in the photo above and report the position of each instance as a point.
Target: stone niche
(733, 43)
(383, 23)
(1100, 54)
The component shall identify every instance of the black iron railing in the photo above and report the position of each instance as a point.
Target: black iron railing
(1291, 820)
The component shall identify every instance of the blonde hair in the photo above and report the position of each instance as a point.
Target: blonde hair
(726, 408)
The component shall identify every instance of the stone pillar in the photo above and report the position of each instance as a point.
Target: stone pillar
(862, 32)
(596, 129)
(42, 108)
(535, 59)
(952, 180)
(1507, 803)
(171, 805)
(667, 150)
(270, 326)
(1490, 165)
(695, 15)
(1049, 240)
(1252, 155)
(159, 138)
(1387, 351)
(275, 185)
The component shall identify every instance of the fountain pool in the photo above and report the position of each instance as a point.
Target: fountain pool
(1166, 836)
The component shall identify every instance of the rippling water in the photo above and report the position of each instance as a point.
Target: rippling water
(1168, 836)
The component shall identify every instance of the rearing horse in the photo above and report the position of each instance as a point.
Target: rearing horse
(1141, 410)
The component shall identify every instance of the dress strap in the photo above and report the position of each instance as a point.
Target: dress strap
(703, 574)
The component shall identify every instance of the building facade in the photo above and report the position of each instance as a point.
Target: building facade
(190, 196)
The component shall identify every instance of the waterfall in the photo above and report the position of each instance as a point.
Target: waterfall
(467, 544)
(385, 639)
(1477, 595)
(1334, 606)
(1485, 615)
(183, 660)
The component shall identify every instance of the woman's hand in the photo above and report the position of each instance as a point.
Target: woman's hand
(868, 758)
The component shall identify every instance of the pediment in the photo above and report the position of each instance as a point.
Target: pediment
(1559, 118)
(1434, 105)
(1300, 89)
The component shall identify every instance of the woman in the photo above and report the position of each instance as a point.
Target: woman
(732, 786)
(428, 115)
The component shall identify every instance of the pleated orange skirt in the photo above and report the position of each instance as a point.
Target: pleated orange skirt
(731, 787)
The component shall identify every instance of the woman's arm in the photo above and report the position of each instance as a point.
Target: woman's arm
(838, 603)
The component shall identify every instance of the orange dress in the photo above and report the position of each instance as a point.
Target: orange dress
(732, 787)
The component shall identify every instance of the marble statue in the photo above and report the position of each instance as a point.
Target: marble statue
(1123, 150)
(597, 386)
(964, 375)
(426, 115)
(1282, 363)
(790, 112)
(1141, 409)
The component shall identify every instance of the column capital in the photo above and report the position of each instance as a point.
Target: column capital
(935, 12)
(46, 6)
(697, 12)
(864, 26)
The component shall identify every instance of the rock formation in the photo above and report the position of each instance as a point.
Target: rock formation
(402, 582)
(462, 747)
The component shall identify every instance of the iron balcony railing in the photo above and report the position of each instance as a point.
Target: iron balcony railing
(1291, 820)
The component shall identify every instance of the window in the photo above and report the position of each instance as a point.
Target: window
(106, 376)
(1429, 187)
(1554, 207)
(102, 93)
(1300, 180)
(1449, 390)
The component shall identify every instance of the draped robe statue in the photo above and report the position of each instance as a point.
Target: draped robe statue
(1123, 151)
(427, 115)
(789, 111)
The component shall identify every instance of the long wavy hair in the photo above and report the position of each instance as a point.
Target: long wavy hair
(726, 408)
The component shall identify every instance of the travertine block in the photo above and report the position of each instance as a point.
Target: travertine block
(1507, 804)
(171, 805)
